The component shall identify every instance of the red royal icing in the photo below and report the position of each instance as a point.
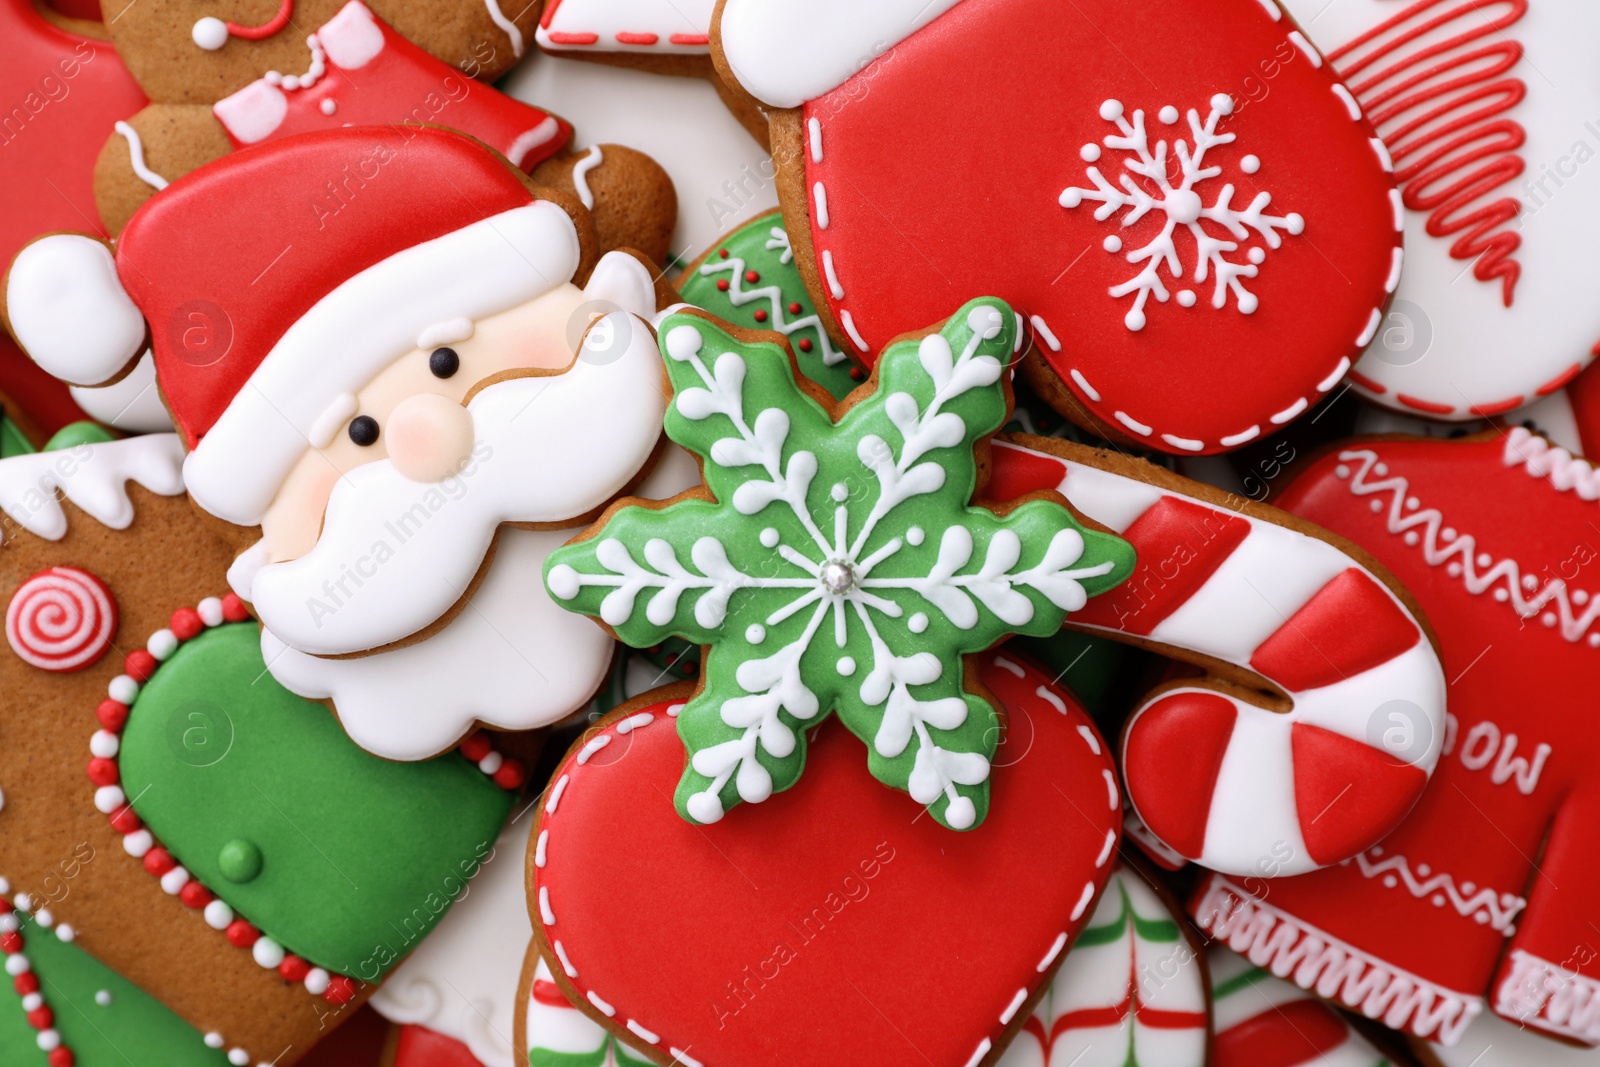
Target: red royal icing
(1451, 913)
(753, 922)
(981, 95)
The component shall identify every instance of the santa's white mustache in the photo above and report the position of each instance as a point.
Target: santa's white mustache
(395, 555)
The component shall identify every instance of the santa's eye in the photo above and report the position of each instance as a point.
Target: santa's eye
(364, 430)
(444, 362)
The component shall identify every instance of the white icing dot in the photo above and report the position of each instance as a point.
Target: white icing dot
(1447, 534)
(1482, 917)
(162, 644)
(1377, 506)
(103, 997)
(563, 582)
(218, 915)
(1438, 900)
(1580, 597)
(1186, 298)
(238, 1057)
(847, 665)
(210, 33)
(1113, 243)
(683, 342)
(66, 933)
(1297, 224)
(1423, 870)
(1247, 303)
(1501, 595)
(267, 952)
(1134, 320)
(17, 964)
(961, 813)
(1341, 471)
(210, 611)
(317, 981)
(1529, 582)
(138, 843)
(45, 918)
(33, 1002)
(1168, 114)
(840, 492)
(769, 537)
(1380, 469)
(213, 1040)
(1223, 103)
(1256, 256)
(1413, 502)
(23, 902)
(1089, 152)
(49, 1040)
(1453, 570)
(1483, 559)
(1594, 640)
(108, 798)
(491, 763)
(1111, 110)
(917, 623)
(1391, 881)
(1412, 538)
(1250, 164)
(915, 536)
(1548, 618)
(756, 633)
(705, 808)
(104, 744)
(123, 690)
(8, 923)
(329, 106)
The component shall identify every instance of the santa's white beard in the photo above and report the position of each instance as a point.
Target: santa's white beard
(511, 658)
(395, 555)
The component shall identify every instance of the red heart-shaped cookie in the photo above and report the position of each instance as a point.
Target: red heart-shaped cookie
(837, 924)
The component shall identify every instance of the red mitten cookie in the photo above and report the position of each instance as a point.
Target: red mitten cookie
(1219, 771)
(1490, 113)
(1487, 889)
(1199, 267)
(717, 944)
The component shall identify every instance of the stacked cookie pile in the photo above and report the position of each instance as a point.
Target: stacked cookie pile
(970, 533)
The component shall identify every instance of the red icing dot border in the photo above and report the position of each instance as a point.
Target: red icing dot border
(138, 667)
(40, 1015)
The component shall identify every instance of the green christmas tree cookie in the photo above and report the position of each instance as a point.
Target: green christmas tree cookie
(837, 566)
(750, 280)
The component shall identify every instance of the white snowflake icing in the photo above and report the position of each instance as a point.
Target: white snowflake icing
(830, 575)
(1150, 182)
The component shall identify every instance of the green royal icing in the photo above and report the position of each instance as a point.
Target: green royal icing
(777, 293)
(359, 856)
(840, 568)
(132, 1030)
(82, 432)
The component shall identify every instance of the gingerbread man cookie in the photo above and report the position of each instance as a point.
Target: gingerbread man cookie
(351, 378)
(1482, 897)
(1166, 247)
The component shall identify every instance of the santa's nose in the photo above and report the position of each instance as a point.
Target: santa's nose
(429, 437)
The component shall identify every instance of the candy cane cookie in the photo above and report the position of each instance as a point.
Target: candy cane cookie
(1288, 757)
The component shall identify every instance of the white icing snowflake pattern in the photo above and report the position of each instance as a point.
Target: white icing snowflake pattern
(1151, 184)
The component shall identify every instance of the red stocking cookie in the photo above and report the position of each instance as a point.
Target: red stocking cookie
(1214, 775)
(350, 377)
(1494, 536)
(753, 921)
(1489, 113)
(1166, 246)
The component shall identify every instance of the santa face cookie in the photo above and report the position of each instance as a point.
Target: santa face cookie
(1216, 772)
(833, 562)
(353, 379)
(1488, 113)
(753, 921)
(1482, 897)
(1198, 267)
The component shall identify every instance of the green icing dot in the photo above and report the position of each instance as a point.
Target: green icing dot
(82, 432)
(358, 857)
(762, 246)
(239, 861)
(132, 1029)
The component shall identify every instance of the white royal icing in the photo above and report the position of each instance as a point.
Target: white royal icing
(785, 52)
(69, 311)
(94, 477)
(510, 658)
(1449, 341)
(131, 403)
(544, 462)
(669, 27)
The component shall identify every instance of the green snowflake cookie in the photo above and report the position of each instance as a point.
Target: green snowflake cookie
(837, 566)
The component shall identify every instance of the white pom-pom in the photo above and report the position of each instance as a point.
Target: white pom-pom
(69, 311)
(623, 281)
(210, 33)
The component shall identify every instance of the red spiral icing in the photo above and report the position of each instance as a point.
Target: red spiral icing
(61, 619)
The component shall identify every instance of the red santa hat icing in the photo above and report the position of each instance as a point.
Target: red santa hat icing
(837, 38)
(282, 278)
